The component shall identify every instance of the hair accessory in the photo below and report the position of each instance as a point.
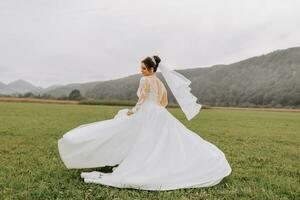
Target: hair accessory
(152, 58)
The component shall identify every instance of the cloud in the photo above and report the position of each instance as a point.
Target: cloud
(59, 42)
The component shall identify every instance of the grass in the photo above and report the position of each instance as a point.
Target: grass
(261, 147)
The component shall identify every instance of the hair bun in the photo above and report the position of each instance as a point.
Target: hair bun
(157, 60)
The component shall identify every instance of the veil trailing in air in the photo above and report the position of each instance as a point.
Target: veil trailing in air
(179, 85)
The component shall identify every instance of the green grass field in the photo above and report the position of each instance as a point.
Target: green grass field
(262, 148)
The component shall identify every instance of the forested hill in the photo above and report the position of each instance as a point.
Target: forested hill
(271, 79)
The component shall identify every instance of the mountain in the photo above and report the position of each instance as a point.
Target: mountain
(4, 89)
(65, 90)
(21, 86)
(52, 87)
(18, 87)
(270, 79)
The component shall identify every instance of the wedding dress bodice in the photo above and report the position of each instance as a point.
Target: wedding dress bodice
(151, 88)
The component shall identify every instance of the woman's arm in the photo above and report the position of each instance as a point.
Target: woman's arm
(164, 99)
(143, 93)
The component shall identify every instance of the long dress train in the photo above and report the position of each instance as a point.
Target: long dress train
(153, 150)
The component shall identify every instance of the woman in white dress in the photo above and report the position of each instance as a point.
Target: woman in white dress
(151, 148)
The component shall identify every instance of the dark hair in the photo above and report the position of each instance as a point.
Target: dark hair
(149, 62)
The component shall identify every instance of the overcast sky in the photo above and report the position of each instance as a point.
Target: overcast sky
(65, 41)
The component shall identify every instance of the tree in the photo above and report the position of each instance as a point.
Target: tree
(28, 95)
(75, 95)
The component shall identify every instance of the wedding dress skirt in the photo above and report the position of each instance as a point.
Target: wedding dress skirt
(153, 150)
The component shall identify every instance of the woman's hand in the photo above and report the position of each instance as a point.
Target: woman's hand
(129, 112)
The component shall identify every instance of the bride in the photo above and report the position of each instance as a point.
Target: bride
(151, 148)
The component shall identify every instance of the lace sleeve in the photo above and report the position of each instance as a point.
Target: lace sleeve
(164, 99)
(142, 92)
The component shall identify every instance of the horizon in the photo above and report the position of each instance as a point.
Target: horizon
(57, 84)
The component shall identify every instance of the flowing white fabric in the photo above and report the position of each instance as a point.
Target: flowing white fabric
(179, 85)
(151, 148)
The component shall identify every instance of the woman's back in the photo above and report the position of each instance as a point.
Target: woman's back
(158, 92)
(154, 90)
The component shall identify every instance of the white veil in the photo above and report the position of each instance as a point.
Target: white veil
(179, 85)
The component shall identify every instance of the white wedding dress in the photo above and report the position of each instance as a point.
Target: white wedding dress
(153, 150)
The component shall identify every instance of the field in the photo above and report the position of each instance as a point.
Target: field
(262, 148)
